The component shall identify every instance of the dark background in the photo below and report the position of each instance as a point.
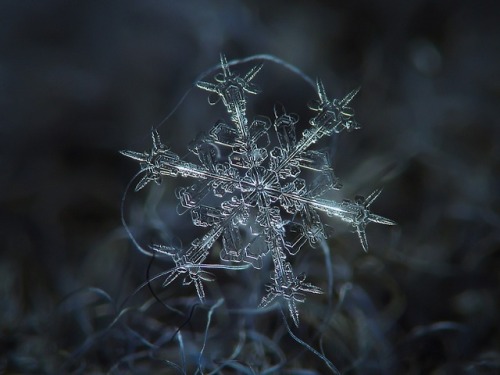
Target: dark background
(81, 80)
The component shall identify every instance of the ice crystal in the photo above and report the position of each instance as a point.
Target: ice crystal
(260, 187)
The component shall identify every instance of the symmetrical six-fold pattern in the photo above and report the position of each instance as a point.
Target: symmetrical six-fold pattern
(257, 187)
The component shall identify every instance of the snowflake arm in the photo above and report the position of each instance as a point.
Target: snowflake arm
(163, 162)
(231, 89)
(226, 78)
(356, 213)
(334, 115)
(150, 161)
(290, 288)
(284, 284)
(190, 261)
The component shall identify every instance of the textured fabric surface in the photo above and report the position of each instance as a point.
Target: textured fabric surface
(81, 80)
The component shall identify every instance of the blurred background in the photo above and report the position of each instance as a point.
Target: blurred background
(81, 80)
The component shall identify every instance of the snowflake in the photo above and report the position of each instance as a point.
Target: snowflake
(258, 188)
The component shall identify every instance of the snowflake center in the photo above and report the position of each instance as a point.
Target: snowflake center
(260, 187)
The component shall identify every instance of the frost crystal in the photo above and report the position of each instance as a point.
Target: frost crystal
(259, 188)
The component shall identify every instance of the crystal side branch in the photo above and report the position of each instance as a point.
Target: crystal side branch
(258, 188)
